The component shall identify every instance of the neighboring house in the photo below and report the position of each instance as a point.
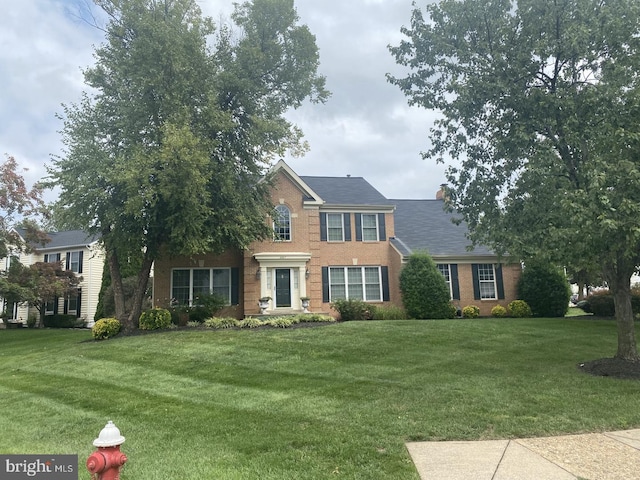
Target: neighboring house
(337, 237)
(79, 253)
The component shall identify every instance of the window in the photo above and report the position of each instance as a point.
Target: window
(188, 284)
(486, 280)
(370, 227)
(282, 224)
(446, 273)
(335, 227)
(355, 283)
(74, 262)
(72, 304)
(51, 257)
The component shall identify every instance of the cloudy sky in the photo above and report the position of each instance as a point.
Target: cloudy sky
(365, 129)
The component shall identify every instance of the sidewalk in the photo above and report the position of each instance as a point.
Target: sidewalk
(594, 456)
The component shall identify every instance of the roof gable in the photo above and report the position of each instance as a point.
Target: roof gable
(355, 191)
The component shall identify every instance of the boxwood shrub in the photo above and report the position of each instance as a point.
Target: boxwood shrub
(60, 321)
(155, 318)
(105, 328)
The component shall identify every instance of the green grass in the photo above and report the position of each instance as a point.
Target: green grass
(335, 401)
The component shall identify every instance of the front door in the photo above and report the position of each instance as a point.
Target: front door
(283, 287)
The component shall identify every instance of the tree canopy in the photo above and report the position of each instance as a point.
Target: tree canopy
(539, 113)
(167, 153)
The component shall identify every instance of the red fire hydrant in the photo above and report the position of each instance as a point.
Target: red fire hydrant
(105, 463)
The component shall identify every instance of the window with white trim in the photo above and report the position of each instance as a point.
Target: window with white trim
(74, 262)
(355, 283)
(444, 269)
(188, 284)
(369, 227)
(487, 281)
(282, 224)
(335, 227)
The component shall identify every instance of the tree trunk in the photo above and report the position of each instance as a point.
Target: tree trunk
(116, 284)
(138, 295)
(619, 279)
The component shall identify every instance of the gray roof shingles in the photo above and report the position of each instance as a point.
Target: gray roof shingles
(68, 238)
(346, 191)
(423, 225)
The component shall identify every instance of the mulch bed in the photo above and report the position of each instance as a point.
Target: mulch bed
(611, 367)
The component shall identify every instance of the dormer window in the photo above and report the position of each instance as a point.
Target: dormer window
(282, 224)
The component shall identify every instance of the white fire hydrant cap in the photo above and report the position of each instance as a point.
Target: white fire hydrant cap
(109, 436)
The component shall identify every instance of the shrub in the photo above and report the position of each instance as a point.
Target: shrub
(250, 322)
(424, 290)
(354, 310)
(601, 304)
(32, 320)
(281, 322)
(390, 312)
(316, 317)
(499, 311)
(220, 322)
(205, 306)
(60, 321)
(546, 289)
(154, 319)
(519, 309)
(105, 328)
(470, 311)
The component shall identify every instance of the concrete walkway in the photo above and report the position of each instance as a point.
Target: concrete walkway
(594, 456)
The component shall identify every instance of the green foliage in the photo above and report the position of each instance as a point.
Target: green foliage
(281, 322)
(105, 328)
(129, 284)
(155, 318)
(471, 311)
(545, 289)
(32, 320)
(520, 309)
(205, 306)
(499, 311)
(60, 321)
(250, 322)
(221, 322)
(600, 303)
(424, 291)
(176, 106)
(390, 312)
(538, 116)
(316, 317)
(354, 309)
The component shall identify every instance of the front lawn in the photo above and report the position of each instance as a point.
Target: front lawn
(335, 401)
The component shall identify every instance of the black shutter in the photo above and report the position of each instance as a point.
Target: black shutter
(382, 234)
(499, 282)
(325, 284)
(80, 257)
(385, 283)
(455, 284)
(68, 261)
(476, 281)
(235, 286)
(323, 227)
(79, 303)
(347, 226)
(65, 308)
(358, 227)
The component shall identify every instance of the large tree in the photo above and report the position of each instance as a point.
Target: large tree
(539, 109)
(167, 153)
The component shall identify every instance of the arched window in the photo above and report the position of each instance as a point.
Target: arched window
(282, 224)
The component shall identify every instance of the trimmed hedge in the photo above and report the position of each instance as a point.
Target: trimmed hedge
(425, 294)
(601, 303)
(60, 321)
(106, 328)
(154, 319)
(545, 288)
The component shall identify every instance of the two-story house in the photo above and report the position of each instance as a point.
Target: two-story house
(78, 252)
(334, 238)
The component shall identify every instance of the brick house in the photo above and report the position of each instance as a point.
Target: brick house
(337, 237)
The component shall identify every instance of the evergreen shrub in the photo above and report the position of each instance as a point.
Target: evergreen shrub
(471, 311)
(499, 311)
(545, 289)
(105, 328)
(154, 319)
(354, 310)
(425, 293)
(519, 309)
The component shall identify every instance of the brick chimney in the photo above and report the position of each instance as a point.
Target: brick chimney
(441, 194)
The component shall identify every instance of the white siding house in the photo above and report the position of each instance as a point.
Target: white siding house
(78, 252)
